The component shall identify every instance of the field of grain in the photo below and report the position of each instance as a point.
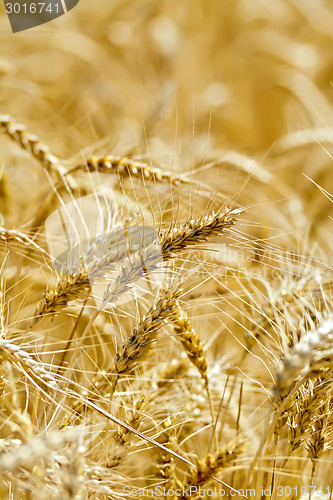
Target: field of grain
(165, 251)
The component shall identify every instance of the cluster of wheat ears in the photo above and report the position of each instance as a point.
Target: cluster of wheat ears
(189, 353)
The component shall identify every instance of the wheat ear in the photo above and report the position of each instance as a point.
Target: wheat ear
(166, 466)
(299, 420)
(14, 236)
(320, 437)
(317, 440)
(143, 336)
(122, 436)
(18, 133)
(126, 167)
(38, 448)
(70, 287)
(23, 359)
(190, 340)
(303, 353)
(171, 242)
(210, 465)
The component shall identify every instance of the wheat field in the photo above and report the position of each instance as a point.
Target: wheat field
(166, 239)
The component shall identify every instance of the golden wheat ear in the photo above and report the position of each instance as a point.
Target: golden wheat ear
(141, 341)
(126, 167)
(305, 356)
(30, 142)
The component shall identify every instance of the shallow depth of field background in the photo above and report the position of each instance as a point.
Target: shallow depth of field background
(238, 96)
